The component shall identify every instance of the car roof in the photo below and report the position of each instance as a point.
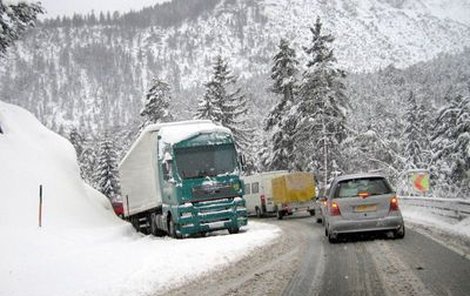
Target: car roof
(358, 176)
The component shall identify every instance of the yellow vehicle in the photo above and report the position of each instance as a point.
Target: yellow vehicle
(294, 192)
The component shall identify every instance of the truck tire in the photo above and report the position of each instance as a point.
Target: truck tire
(233, 230)
(135, 223)
(279, 214)
(312, 212)
(153, 226)
(172, 229)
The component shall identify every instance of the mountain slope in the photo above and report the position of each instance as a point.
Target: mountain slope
(78, 69)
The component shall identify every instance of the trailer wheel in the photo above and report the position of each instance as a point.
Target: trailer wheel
(258, 213)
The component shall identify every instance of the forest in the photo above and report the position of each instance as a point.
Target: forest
(300, 110)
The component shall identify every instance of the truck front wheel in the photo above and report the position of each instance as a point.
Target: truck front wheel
(172, 229)
(233, 230)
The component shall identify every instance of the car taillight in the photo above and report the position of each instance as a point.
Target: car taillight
(334, 209)
(394, 204)
(364, 194)
(263, 199)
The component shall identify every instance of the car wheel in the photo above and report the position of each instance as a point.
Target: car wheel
(326, 232)
(400, 233)
(332, 238)
(319, 220)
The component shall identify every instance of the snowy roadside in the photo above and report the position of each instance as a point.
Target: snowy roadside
(117, 261)
(82, 248)
(449, 232)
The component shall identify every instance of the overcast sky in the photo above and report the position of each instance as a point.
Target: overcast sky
(69, 7)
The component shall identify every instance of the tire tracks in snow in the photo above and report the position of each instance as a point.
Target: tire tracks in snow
(397, 277)
(266, 271)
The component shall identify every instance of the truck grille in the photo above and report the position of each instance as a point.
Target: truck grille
(213, 190)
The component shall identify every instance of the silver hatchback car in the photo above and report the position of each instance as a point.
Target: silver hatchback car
(362, 203)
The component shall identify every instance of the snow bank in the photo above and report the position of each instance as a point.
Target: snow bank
(83, 248)
(426, 217)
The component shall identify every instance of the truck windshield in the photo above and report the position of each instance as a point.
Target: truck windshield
(203, 161)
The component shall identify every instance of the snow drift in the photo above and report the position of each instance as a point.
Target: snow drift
(82, 247)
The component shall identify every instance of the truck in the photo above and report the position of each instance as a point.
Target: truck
(258, 193)
(294, 191)
(183, 179)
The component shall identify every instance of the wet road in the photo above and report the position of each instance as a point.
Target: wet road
(303, 262)
(376, 265)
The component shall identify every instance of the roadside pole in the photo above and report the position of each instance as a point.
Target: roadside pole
(40, 206)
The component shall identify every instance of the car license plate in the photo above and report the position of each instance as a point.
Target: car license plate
(365, 208)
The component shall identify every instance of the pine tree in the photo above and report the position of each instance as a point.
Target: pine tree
(279, 123)
(321, 109)
(14, 20)
(77, 140)
(451, 147)
(413, 134)
(224, 103)
(86, 155)
(106, 174)
(157, 102)
(209, 106)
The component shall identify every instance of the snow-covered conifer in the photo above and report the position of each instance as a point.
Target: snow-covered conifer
(224, 103)
(15, 18)
(86, 154)
(321, 123)
(106, 173)
(280, 124)
(157, 102)
(413, 134)
(77, 140)
(451, 146)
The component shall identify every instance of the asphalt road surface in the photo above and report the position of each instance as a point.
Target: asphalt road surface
(303, 262)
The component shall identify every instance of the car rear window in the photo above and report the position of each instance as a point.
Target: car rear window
(372, 186)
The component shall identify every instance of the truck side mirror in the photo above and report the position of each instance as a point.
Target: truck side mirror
(242, 160)
(166, 168)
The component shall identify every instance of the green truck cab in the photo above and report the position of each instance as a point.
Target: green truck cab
(183, 178)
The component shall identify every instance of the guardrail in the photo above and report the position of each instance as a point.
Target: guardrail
(448, 207)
